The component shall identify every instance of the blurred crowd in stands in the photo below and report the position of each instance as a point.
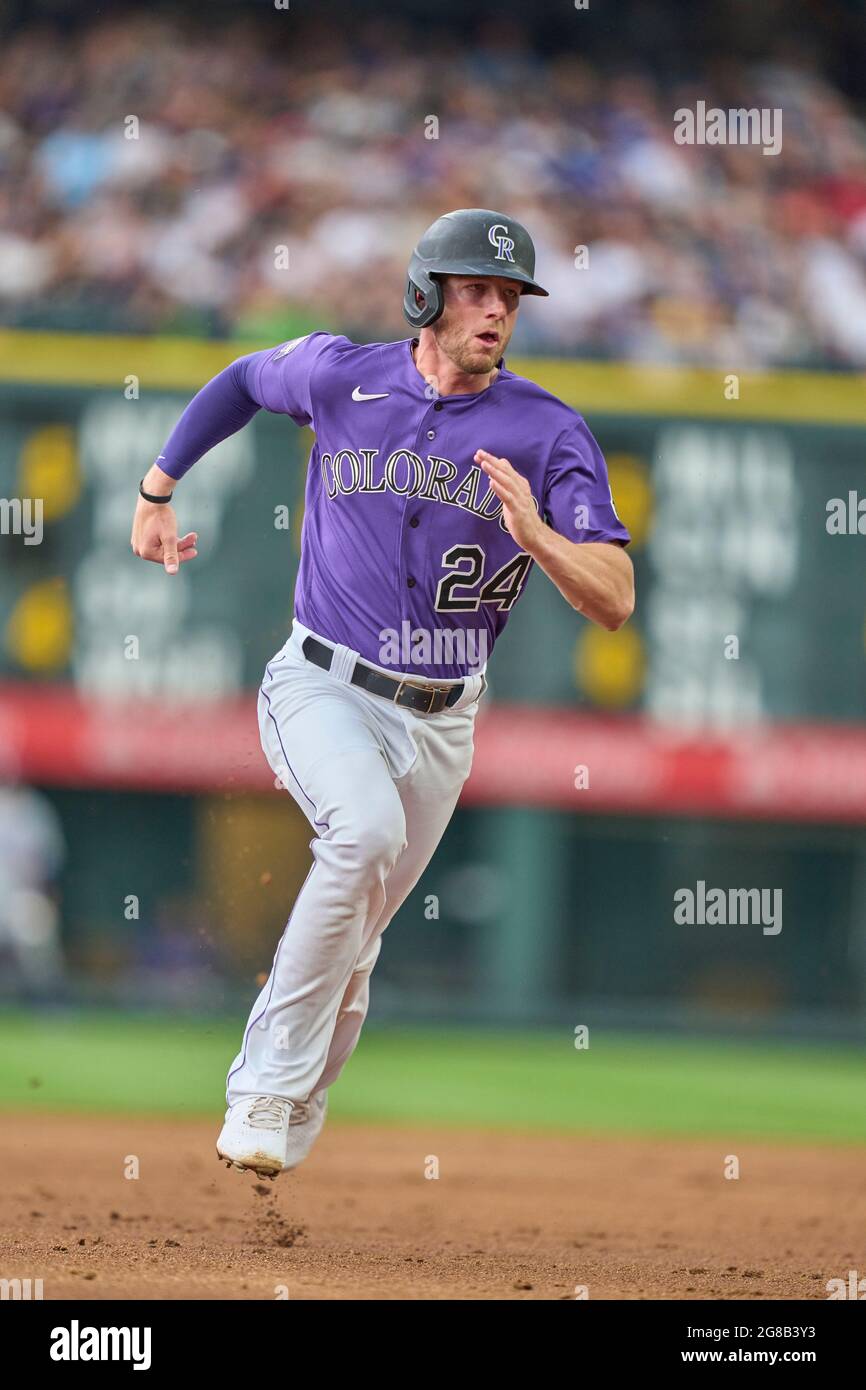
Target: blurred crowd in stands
(248, 137)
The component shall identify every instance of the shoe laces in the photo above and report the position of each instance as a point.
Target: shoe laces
(302, 1109)
(267, 1112)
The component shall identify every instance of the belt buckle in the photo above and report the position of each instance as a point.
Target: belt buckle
(431, 690)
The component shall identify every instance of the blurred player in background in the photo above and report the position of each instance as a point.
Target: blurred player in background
(32, 851)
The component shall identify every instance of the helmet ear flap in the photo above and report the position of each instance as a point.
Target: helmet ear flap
(430, 290)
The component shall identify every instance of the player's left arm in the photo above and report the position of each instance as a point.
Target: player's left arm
(595, 577)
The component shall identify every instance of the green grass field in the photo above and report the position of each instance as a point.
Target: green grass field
(524, 1081)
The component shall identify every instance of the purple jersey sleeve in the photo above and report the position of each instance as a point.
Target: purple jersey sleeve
(277, 379)
(577, 499)
(281, 378)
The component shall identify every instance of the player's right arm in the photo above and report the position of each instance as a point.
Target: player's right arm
(277, 379)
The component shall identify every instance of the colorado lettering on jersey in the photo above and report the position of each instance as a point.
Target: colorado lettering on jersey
(407, 474)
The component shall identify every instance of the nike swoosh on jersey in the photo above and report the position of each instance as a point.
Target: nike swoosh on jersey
(359, 395)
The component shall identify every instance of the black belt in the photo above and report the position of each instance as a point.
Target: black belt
(424, 699)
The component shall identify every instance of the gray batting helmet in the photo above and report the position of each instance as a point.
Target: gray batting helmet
(470, 241)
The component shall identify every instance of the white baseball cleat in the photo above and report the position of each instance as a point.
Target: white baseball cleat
(305, 1126)
(255, 1135)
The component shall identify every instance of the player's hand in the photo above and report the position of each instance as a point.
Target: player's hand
(154, 536)
(519, 511)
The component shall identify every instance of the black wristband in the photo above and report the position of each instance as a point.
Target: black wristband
(149, 496)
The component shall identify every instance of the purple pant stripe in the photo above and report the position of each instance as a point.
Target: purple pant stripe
(320, 824)
(250, 1026)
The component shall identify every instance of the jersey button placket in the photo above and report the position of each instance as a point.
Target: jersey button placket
(411, 581)
(425, 431)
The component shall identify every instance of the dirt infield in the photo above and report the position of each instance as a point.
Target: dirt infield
(510, 1216)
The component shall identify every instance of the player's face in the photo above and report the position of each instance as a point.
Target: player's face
(478, 320)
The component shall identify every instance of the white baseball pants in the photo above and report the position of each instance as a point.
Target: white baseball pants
(379, 784)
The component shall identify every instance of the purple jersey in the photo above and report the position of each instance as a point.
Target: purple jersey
(403, 540)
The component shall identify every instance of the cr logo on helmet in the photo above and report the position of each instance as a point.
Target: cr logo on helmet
(498, 237)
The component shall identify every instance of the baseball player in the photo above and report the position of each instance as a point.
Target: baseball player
(438, 477)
